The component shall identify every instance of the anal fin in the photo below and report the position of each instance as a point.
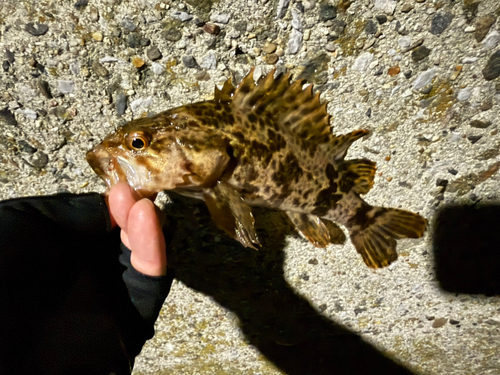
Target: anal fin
(374, 235)
(311, 227)
(337, 235)
(231, 213)
(360, 173)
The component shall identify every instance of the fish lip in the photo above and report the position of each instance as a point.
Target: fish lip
(105, 166)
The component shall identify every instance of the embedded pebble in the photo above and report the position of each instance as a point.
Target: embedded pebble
(128, 24)
(371, 27)
(331, 47)
(394, 71)
(491, 40)
(153, 53)
(135, 40)
(407, 7)
(26, 147)
(269, 47)
(209, 61)
(44, 88)
(85, 72)
(309, 4)
(121, 104)
(220, 18)
(386, 6)
(157, 68)
(100, 70)
(75, 68)
(282, 8)
(65, 87)
(138, 62)
(469, 60)
(233, 34)
(404, 41)
(97, 36)
(401, 28)
(211, 28)
(424, 79)
(36, 29)
(109, 59)
(464, 94)
(94, 14)
(474, 138)
(38, 160)
(141, 104)
(483, 25)
(327, 12)
(295, 42)
(437, 323)
(296, 20)
(480, 124)
(29, 113)
(81, 4)
(440, 22)
(338, 27)
(492, 68)
(456, 72)
(172, 33)
(183, 16)
(190, 62)
(420, 53)
(363, 61)
(381, 19)
(271, 58)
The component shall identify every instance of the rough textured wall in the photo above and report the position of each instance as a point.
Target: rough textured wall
(421, 75)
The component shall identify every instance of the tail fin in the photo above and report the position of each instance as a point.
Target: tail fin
(374, 232)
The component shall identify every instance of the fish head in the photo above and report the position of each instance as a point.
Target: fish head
(159, 153)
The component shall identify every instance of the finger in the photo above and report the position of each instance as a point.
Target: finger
(146, 239)
(121, 199)
(124, 239)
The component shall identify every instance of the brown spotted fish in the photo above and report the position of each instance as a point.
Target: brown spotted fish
(265, 144)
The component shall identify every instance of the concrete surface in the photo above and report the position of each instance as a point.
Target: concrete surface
(433, 112)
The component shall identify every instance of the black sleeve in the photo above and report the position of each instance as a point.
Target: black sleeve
(83, 213)
(147, 293)
(64, 293)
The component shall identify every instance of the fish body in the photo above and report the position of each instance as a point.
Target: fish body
(265, 144)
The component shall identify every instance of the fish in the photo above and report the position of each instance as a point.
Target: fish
(267, 143)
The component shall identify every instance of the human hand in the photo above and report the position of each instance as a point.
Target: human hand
(140, 229)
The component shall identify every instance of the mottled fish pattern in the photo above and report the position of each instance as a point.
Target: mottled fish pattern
(259, 144)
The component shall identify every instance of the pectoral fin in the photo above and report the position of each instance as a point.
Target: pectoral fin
(311, 227)
(231, 213)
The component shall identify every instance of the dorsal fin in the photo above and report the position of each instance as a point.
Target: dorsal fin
(226, 93)
(283, 105)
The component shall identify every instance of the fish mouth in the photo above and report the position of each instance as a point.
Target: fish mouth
(106, 166)
(115, 169)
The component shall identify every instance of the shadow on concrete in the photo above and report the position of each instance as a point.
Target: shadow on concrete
(466, 245)
(282, 325)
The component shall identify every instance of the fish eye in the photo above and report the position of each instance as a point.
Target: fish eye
(138, 141)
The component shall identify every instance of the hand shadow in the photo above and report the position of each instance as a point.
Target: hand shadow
(466, 245)
(282, 325)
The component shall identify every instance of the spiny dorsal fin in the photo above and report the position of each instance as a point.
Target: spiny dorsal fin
(338, 146)
(283, 105)
(226, 93)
